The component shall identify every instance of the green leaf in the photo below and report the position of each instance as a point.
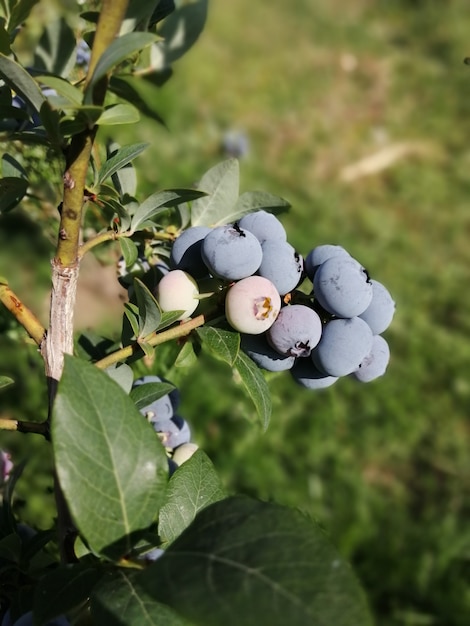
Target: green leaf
(186, 357)
(193, 487)
(19, 13)
(120, 159)
(149, 311)
(181, 30)
(248, 562)
(121, 211)
(256, 386)
(221, 183)
(160, 201)
(132, 330)
(224, 344)
(253, 201)
(4, 41)
(122, 374)
(118, 114)
(6, 381)
(21, 82)
(50, 119)
(116, 602)
(125, 182)
(63, 589)
(12, 191)
(111, 467)
(169, 318)
(145, 394)
(120, 49)
(129, 250)
(55, 52)
(140, 93)
(63, 87)
(11, 168)
(147, 349)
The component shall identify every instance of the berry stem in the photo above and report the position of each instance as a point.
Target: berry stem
(111, 235)
(154, 339)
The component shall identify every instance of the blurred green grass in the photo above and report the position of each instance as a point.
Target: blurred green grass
(318, 87)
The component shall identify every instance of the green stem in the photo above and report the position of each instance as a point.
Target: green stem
(111, 235)
(154, 339)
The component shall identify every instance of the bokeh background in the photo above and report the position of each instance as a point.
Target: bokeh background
(358, 114)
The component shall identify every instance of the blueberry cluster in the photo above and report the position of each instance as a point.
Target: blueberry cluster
(331, 327)
(252, 257)
(172, 429)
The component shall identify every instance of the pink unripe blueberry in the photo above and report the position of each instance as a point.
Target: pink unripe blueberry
(252, 305)
(177, 291)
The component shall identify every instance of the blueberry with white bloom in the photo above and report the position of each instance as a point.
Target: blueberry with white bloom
(375, 363)
(380, 312)
(264, 226)
(281, 264)
(342, 286)
(296, 331)
(186, 252)
(306, 374)
(319, 255)
(231, 252)
(343, 346)
(264, 355)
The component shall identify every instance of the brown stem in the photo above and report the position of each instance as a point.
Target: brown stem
(24, 316)
(38, 428)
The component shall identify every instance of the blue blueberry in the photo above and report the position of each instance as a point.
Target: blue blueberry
(186, 252)
(319, 255)
(83, 54)
(235, 144)
(173, 432)
(306, 374)
(342, 286)
(258, 349)
(296, 331)
(281, 264)
(343, 346)
(380, 312)
(264, 226)
(231, 252)
(375, 363)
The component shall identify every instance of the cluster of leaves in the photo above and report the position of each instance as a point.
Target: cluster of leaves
(227, 559)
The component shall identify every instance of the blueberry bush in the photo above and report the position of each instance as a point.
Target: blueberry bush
(144, 531)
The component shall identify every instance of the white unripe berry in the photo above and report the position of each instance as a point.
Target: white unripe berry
(177, 291)
(184, 452)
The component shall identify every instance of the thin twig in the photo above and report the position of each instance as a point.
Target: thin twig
(154, 339)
